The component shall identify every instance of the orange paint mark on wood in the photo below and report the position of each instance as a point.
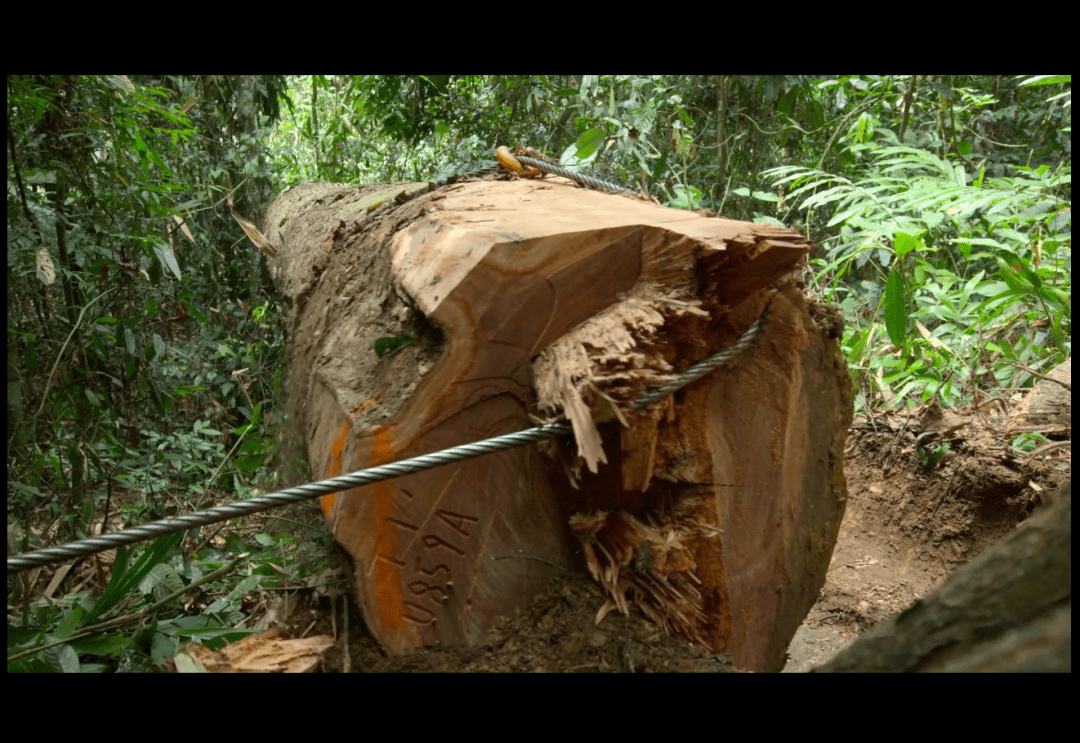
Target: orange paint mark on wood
(386, 574)
(327, 501)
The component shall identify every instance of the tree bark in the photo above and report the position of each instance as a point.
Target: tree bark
(714, 511)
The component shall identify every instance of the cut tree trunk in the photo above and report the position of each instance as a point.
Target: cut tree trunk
(495, 305)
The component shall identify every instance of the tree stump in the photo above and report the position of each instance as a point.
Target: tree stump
(495, 305)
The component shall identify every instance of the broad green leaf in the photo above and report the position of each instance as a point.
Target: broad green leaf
(588, 143)
(904, 244)
(165, 255)
(895, 309)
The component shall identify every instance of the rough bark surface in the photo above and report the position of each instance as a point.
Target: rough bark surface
(715, 511)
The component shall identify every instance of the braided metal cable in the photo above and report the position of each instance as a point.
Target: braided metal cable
(308, 491)
(285, 497)
(582, 178)
(725, 358)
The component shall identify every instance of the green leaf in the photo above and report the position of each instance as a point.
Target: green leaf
(125, 579)
(767, 196)
(1022, 266)
(686, 197)
(249, 463)
(100, 645)
(387, 346)
(1047, 80)
(904, 244)
(1011, 275)
(895, 308)
(71, 621)
(165, 255)
(162, 581)
(589, 142)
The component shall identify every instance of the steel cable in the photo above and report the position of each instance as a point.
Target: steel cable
(301, 493)
(281, 498)
(582, 178)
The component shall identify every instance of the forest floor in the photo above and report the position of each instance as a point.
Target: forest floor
(909, 523)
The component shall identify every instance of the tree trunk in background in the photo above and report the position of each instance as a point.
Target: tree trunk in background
(715, 511)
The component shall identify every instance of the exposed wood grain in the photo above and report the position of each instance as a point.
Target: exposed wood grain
(538, 299)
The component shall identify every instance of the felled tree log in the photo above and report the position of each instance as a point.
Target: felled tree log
(1008, 610)
(516, 302)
